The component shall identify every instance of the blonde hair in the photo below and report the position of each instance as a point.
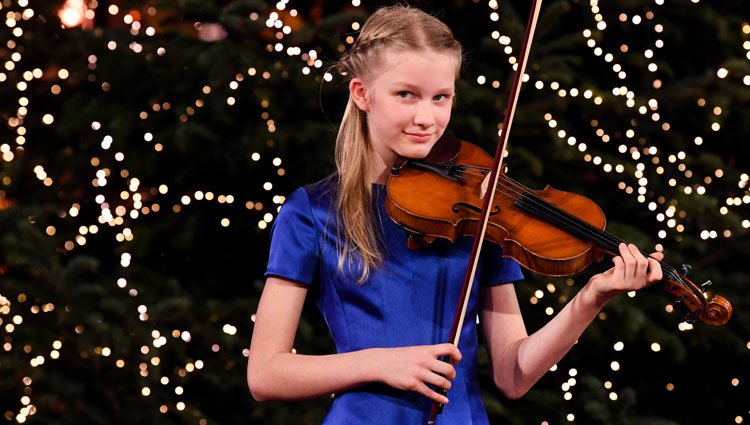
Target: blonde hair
(394, 28)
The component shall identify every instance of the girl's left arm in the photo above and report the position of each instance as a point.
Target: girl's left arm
(517, 359)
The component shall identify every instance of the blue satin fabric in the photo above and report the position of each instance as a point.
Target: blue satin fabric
(410, 300)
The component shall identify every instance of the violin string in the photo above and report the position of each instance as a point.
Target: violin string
(540, 207)
(595, 235)
(516, 189)
(602, 238)
(590, 233)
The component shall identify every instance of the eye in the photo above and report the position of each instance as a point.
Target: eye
(405, 95)
(442, 97)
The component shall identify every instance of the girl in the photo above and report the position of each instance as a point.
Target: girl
(390, 308)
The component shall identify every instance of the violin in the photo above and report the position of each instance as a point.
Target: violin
(548, 231)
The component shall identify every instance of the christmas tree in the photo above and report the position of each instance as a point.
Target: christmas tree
(148, 146)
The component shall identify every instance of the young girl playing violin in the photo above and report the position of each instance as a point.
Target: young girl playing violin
(389, 308)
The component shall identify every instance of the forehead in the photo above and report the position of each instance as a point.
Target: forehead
(418, 67)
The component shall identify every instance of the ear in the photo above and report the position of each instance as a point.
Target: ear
(358, 93)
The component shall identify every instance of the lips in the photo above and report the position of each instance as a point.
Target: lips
(419, 137)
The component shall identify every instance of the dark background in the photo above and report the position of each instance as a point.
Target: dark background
(121, 302)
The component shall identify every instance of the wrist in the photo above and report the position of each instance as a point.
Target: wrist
(370, 366)
(593, 299)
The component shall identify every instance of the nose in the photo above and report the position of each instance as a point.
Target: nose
(424, 116)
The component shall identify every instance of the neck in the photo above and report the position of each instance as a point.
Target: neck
(380, 167)
(382, 177)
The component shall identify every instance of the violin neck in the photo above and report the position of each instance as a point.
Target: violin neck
(538, 207)
(563, 220)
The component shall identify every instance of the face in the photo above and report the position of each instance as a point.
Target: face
(408, 103)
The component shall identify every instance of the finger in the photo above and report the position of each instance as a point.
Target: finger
(619, 269)
(623, 261)
(448, 349)
(641, 262)
(657, 255)
(654, 270)
(655, 265)
(636, 252)
(445, 369)
(437, 380)
(636, 264)
(431, 394)
(628, 254)
(455, 354)
(624, 250)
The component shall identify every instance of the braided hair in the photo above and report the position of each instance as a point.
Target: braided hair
(397, 28)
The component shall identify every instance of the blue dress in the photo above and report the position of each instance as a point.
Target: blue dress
(409, 300)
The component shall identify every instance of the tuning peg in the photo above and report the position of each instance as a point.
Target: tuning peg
(687, 270)
(707, 284)
(691, 318)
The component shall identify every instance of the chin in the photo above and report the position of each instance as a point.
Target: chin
(418, 152)
(421, 150)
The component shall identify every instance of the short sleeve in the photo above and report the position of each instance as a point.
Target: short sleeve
(294, 253)
(497, 269)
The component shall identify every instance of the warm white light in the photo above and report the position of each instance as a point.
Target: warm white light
(72, 13)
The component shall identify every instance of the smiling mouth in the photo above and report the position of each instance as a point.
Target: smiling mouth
(418, 135)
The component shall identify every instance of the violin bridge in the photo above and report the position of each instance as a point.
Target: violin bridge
(485, 185)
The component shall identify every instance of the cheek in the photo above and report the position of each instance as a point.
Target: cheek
(443, 116)
(395, 113)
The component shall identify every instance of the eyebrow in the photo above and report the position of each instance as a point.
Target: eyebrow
(416, 88)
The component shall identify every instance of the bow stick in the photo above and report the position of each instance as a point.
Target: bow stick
(489, 193)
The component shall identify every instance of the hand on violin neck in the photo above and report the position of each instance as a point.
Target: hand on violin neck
(632, 271)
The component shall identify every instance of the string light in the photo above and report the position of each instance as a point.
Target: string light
(121, 211)
(636, 149)
(639, 158)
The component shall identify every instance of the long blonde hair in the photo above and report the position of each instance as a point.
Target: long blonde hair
(394, 28)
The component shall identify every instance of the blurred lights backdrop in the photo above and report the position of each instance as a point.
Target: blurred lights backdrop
(148, 146)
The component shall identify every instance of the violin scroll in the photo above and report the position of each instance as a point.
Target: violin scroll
(715, 311)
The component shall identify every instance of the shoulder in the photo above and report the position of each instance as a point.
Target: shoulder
(313, 195)
(310, 199)
(321, 189)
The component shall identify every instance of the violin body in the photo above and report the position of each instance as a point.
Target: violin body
(451, 209)
(550, 232)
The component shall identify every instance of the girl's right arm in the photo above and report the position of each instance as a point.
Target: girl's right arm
(275, 373)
